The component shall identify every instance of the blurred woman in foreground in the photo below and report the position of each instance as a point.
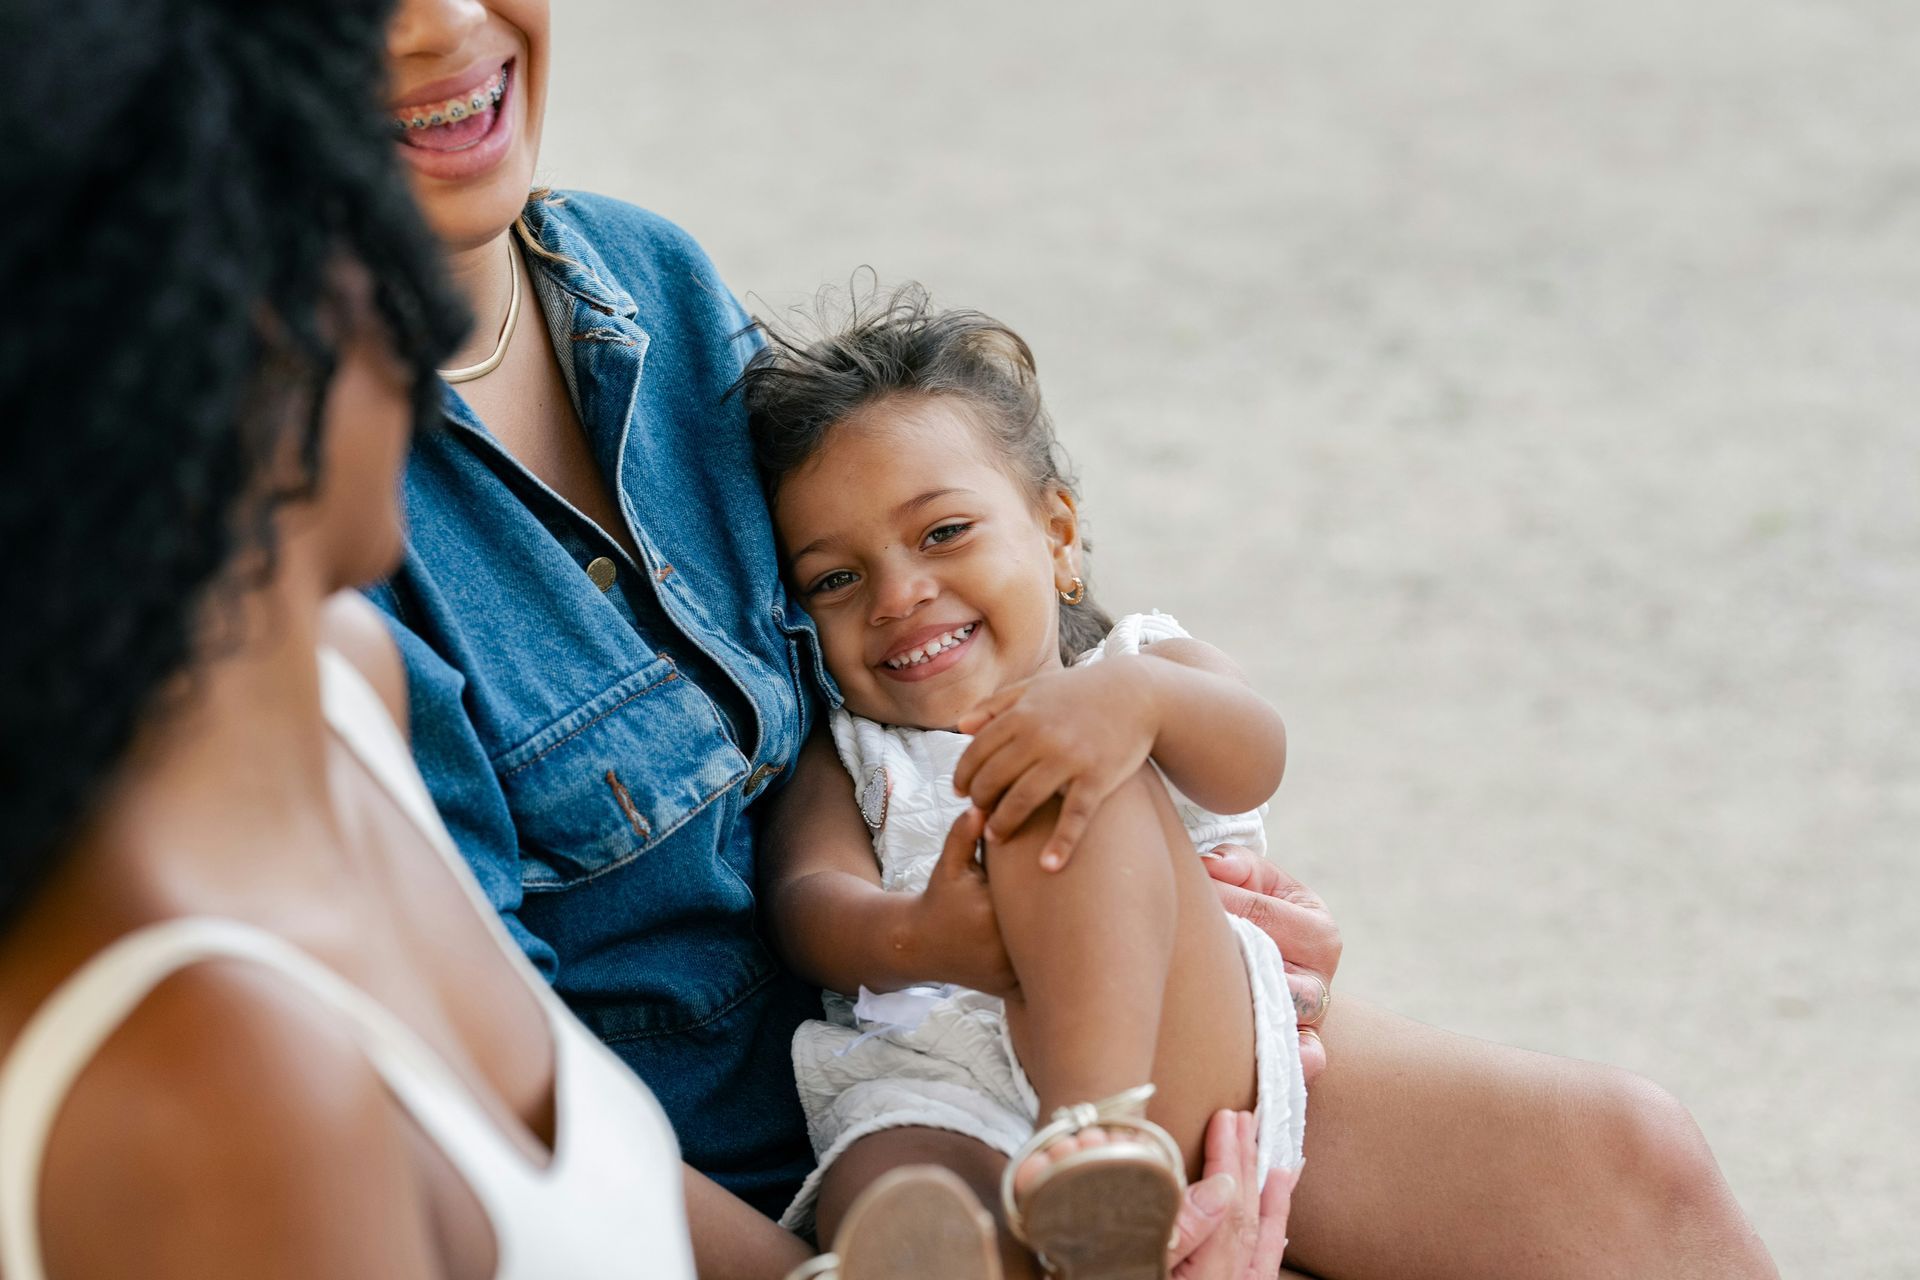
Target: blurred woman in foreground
(255, 1018)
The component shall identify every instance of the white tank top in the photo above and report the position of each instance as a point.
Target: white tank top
(609, 1204)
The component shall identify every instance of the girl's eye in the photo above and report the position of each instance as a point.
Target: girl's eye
(948, 532)
(830, 582)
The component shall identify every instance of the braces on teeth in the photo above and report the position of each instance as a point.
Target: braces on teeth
(933, 647)
(454, 110)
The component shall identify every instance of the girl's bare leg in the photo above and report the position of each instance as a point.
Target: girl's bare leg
(1129, 972)
(1128, 969)
(1431, 1154)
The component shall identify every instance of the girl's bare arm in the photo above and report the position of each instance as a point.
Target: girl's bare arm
(820, 885)
(1079, 733)
(833, 923)
(1219, 741)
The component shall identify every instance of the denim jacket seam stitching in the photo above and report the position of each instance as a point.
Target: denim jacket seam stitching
(751, 989)
(590, 876)
(638, 693)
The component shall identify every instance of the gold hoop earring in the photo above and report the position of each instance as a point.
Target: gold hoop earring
(1076, 595)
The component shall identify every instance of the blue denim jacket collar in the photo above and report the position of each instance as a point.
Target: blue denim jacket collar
(575, 269)
(576, 265)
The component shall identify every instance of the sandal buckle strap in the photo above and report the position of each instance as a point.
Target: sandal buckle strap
(1126, 1109)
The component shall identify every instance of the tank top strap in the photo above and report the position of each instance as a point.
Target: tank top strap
(68, 1029)
(360, 718)
(358, 715)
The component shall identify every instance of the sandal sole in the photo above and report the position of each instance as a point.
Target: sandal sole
(920, 1222)
(1097, 1216)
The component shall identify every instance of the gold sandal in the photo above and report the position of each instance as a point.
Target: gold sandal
(916, 1223)
(1105, 1211)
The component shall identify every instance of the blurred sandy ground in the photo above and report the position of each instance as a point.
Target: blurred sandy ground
(1525, 391)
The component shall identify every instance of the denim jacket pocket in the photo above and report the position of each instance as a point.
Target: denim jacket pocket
(611, 779)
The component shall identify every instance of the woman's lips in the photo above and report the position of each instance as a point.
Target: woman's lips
(470, 145)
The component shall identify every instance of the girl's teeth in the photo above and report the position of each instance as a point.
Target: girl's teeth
(915, 657)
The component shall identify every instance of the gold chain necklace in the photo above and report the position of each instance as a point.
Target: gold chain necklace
(492, 362)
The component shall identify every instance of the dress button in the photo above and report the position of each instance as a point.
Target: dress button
(760, 775)
(601, 570)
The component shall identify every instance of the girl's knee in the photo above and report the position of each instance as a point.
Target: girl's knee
(1131, 814)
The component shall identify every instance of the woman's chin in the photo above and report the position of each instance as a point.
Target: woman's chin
(373, 552)
(475, 213)
(470, 211)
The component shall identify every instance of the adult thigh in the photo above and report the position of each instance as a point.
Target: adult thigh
(1436, 1155)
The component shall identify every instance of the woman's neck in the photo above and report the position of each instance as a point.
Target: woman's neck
(234, 759)
(484, 275)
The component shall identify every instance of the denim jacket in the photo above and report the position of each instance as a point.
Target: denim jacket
(597, 731)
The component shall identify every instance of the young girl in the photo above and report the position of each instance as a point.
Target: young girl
(927, 526)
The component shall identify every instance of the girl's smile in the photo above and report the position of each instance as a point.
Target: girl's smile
(923, 656)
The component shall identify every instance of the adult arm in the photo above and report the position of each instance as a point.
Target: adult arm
(231, 1128)
(734, 1241)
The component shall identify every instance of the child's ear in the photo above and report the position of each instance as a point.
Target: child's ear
(1063, 536)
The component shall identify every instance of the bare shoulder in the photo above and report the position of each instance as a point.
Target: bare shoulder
(358, 632)
(232, 1127)
(1197, 654)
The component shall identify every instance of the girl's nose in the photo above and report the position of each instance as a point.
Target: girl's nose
(900, 595)
(433, 27)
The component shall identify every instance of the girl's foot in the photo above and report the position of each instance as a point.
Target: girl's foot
(1095, 1192)
(916, 1223)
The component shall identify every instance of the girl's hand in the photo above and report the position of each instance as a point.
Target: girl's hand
(953, 917)
(1228, 1229)
(1077, 733)
(1299, 924)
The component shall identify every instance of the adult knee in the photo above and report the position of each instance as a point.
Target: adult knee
(1648, 1140)
(1666, 1184)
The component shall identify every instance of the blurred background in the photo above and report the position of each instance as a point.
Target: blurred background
(1526, 392)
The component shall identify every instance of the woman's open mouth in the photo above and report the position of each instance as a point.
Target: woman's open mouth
(460, 133)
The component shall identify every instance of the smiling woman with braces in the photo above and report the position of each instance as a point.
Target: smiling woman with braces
(456, 109)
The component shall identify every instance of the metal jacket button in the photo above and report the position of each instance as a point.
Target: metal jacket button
(601, 570)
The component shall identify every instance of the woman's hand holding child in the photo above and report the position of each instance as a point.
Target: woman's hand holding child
(1299, 924)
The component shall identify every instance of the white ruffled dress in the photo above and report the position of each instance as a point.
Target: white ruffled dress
(940, 1057)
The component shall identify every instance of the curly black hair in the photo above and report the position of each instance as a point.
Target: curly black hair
(875, 345)
(183, 180)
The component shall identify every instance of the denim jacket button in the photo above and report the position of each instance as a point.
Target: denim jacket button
(601, 570)
(759, 777)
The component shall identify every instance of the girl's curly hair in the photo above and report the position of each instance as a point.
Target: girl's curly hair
(797, 388)
(183, 180)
